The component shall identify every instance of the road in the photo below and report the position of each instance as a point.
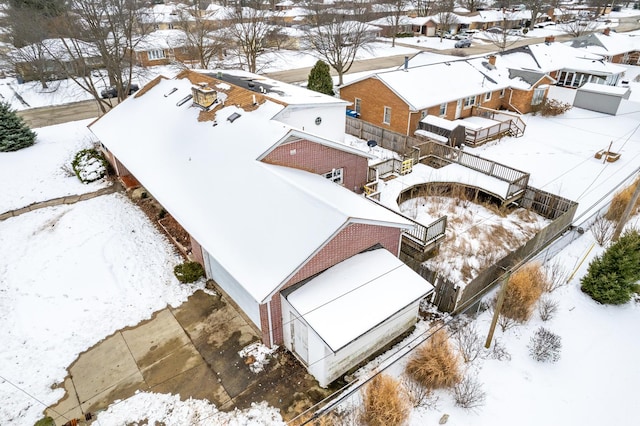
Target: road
(47, 116)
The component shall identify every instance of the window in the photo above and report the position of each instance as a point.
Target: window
(502, 93)
(334, 176)
(538, 96)
(469, 102)
(443, 109)
(358, 105)
(487, 96)
(155, 54)
(423, 114)
(387, 115)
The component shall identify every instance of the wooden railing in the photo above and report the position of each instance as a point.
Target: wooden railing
(508, 123)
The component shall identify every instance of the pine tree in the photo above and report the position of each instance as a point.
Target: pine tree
(14, 133)
(320, 79)
(611, 278)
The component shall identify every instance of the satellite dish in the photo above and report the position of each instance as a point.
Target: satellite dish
(372, 143)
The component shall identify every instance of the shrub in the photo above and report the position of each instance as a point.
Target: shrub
(499, 352)
(620, 202)
(557, 275)
(383, 402)
(547, 308)
(523, 291)
(611, 277)
(551, 107)
(468, 342)
(45, 421)
(188, 272)
(320, 78)
(435, 364)
(468, 393)
(602, 229)
(14, 132)
(545, 346)
(418, 395)
(89, 165)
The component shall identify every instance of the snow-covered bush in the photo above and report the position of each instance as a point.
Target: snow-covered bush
(468, 393)
(547, 308)
(383, 402)
(468, 342)
(188, 272)
(545, 346)
(498, 351)
(89, 165)
(418, 395)
(435, 364)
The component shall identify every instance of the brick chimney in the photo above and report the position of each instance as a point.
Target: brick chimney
(203, 95)
(549, 39)
(492, 60)
(606, 31)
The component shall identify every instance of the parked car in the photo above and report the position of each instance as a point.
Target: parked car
(494, 30)
(463, 43)
(112, 91)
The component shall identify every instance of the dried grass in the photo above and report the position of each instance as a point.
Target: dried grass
(523, 291)
(384, 403)
(620, 201)
(435, 364)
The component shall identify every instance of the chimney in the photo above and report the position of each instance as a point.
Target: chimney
(606, 31)
(406, 63)
(492, 60)
(203, 95)
(549, 39)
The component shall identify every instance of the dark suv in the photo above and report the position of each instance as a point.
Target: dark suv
(463, 43)
(112, 91)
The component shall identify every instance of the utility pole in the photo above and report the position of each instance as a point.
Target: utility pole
(496, 312)
(627, 212)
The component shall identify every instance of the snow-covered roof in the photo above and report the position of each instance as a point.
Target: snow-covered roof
(443, 123)
(356, 295)
(260, 221)
(606, 45)
(161, 39)
(604, 89)
(56, 48)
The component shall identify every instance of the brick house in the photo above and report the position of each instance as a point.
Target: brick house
(399, 99)
(163, 47)
(257, 174)
(611, 46)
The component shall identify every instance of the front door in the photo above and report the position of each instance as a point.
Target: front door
(458, 108)
(299, 335)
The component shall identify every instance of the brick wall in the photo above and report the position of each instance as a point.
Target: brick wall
(521, 99)
(350, 241)
(264, 324)
(196, 251)
(320, 159)
(375, 96)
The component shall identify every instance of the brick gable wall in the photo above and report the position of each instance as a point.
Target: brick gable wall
(319, 159)
(350, 241)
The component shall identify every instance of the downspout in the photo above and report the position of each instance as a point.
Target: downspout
(409, 123)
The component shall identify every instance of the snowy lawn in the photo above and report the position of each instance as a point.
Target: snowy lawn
(43, 171)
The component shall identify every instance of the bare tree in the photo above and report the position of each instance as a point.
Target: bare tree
(445, 16)
(200, 33)
(501, 38)
(580, 26)
(535, 6)
(397, 10)
(424, 7)
(337, 37)
(250, 30)
(472, 5)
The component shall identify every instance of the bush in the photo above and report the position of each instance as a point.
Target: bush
(468, 393)
(551, 107)
(545, 346)
(557, 275)
(499, 352)
(611, 277)
(620, 201)
(383, 402)
(602, 229)
(45, 421)
(14, 132)
(188, 272)
(547, 307)
(523, 291)
(418, 395)
(468, 342)
(435, 364)
(89, 165)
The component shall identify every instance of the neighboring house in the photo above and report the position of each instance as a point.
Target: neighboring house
(388, 28)
(163, 47)
(424, 25)
(568, 66)
(255, 172)
(398, 100)
(164, 16)
(55, 59)
(611, 46)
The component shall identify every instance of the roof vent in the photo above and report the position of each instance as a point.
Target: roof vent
(233, 117)
(203, 95)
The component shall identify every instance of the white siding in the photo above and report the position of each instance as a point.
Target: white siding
(216, 272)
(332, 119)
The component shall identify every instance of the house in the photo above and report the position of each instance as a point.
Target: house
(257, 174)
(163, 47)
(55, 58)
(611, 46)
(568, 66)
(398, 100)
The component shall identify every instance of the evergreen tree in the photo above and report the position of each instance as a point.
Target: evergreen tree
(320, 78)
(14, 133)
(611, 277)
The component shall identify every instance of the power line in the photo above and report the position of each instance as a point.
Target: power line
(32, 397)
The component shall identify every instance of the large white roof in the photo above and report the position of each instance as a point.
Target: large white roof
(260, 221)
(352, 297)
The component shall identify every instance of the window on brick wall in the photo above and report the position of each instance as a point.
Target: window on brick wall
(155, 54)
(334, 176)
(502, 93)
(386, 119)
(443, 109)
(487, 96)
(469, 102)
(358, 105)
(538, 96)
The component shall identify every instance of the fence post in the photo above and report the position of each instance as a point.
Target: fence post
(496, 312)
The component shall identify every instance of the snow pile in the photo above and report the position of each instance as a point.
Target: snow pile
(153, 408)
(257, 356)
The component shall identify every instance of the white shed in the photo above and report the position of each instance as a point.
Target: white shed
(336, 320)
(601, 98)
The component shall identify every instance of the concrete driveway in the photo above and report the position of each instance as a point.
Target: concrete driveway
(191, 351)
